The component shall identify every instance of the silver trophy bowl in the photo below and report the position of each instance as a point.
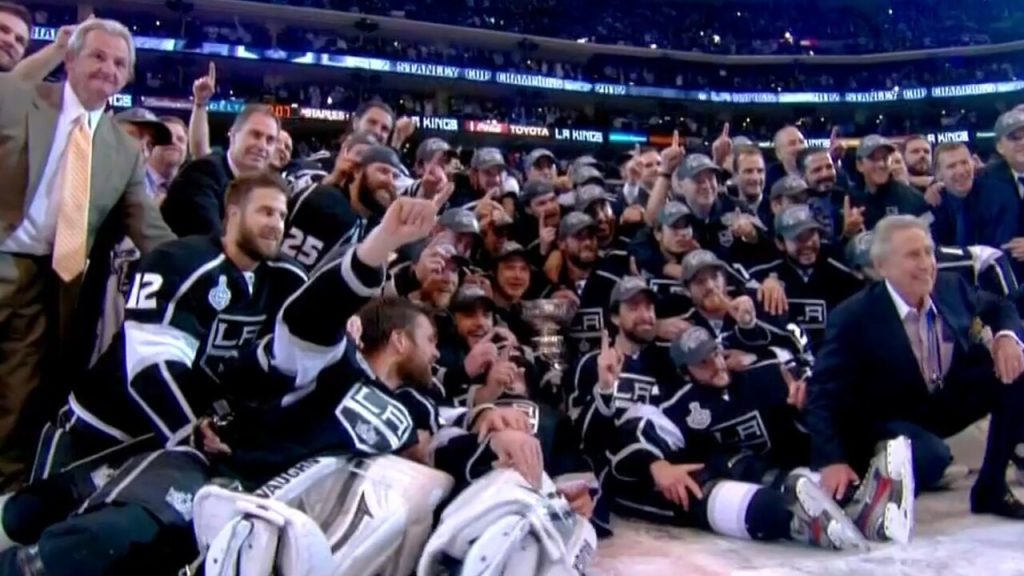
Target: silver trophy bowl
(548, 317)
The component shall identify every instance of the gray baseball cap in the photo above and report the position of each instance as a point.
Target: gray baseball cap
(585, 175)
(873, 142)
(789, 186)
(858, 250)
(673, 213)
(699, 260)
(587, 195)
(510, 249)
(538, 153)
(742, 141)
(534, 189)
(460, 221)
(694, 164)
(143, 118)
(469, 296)
(693, 346)
(430, 148)
(574, 223)
(628, 287)
(794, 220)
(1009, 122)
(485, 158)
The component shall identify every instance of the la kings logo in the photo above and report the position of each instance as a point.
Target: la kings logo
(375, 422)
(229, 334)
(527, 407)
(631, 389)
(747, 431)
(586, 327)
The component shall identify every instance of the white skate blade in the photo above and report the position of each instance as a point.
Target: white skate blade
(899, 517)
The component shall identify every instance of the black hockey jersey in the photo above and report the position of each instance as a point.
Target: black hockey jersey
(189, 313)
(320, 218)
(812, 292)
(717, 427)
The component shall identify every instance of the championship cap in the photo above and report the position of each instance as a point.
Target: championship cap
(694, 164)
(588, 195)
(699, 260)
(511, 249)
(858, 251)
(693, 346)
(789, 186)
(871, 143)
(460, 221)
(675, 215)
(143, 118)
(485, 158)
(534, 189)
(1009, 122)
(573, 223)
(794, 220)
(587, 175)
(538, 153)
(378, 154)
(469, 296)
(628, 287)
(430, 147)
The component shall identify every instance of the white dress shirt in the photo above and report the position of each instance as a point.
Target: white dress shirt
(36, 232)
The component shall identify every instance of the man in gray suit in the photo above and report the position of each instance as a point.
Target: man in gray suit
(66, 169)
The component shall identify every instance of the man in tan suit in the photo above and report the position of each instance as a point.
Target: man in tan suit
(66, 167)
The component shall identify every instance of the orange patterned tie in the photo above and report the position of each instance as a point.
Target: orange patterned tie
(72, 219)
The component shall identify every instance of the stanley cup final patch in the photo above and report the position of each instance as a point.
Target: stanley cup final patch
(699, 418)
(180, 501)
(219, 296)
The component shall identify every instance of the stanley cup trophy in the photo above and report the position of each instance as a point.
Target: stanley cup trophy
(548, 317)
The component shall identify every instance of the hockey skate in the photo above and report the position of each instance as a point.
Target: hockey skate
(817, 519)
(883, 506)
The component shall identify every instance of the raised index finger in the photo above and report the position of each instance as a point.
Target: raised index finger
(846, 204)
(675, 138)
(212, 72)
(835, 133)
(605, 346)
(725, 130)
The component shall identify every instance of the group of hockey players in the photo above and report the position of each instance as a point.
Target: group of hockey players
(346, 373)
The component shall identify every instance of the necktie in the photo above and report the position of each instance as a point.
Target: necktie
(73, 216)
(912, 324)
(1020, 184)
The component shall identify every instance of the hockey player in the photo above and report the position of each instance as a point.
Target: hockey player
(141, 517)
(734, 319)
(630, 370)
(195, 304)
(740, 430)
(815, 283)
(330, 215)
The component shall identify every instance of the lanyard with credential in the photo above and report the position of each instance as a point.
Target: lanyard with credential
(935, 343)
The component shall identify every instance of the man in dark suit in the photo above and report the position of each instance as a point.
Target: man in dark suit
(195, 199)
(922, 355)
(958, 215)
(1002, 187)
(67, 170)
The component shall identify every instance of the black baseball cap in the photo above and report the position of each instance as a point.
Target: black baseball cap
(693, 346)
(378, 154)
(511, 249)
(485, 158)
(858, 251)
(574, 223)
(586, 175)
(699, 260)
(1009, 122)
(470, 296)
(795, 220)
(694, 164)
(873, 142)
(538, 153)
(628, 287)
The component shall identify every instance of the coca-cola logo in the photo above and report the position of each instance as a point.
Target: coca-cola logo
(488, 127)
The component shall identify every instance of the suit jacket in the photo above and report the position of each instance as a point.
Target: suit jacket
(28, 122)
(195, 198)
(1001, 204)
(866, 371)
(945, 224)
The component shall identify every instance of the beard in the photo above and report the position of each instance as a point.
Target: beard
(715, 303)
(577, 261)
(640, 336)
(412, 372)
(250, 243)
(376, 201)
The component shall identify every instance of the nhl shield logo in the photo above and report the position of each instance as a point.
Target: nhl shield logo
(699, 418)
(219, 296)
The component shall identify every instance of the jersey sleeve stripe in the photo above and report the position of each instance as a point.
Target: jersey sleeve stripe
(147, 344)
